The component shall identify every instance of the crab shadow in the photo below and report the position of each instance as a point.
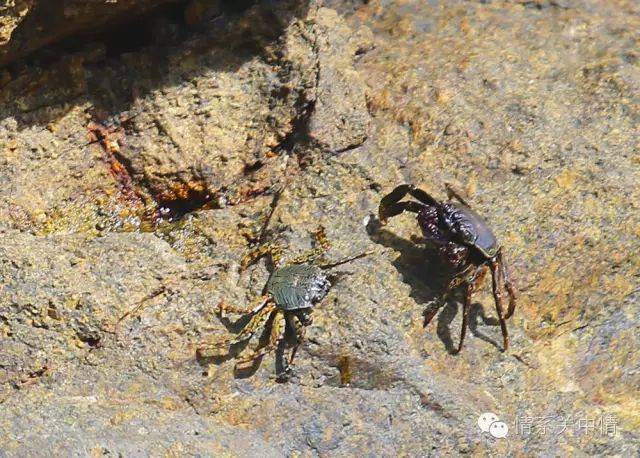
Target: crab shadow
(236, 349)
(424, 271)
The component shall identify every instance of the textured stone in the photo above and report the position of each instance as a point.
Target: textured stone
(181, 125)
(27, 25)
(529, 108)
(11, 14)
(340, 119)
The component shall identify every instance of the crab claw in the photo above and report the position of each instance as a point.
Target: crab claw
(382, 217)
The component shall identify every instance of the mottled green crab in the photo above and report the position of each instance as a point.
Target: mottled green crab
(285, 306)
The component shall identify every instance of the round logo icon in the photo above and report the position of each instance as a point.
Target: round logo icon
(485, 420)
(498, 429)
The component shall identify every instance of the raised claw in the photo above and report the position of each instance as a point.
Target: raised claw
(382, 217)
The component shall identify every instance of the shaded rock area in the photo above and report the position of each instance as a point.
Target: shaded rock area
(28, 25)
(135, 174)
(178, 125)
(13, 13)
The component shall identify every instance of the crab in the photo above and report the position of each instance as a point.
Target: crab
(464, 241)
(284, 308)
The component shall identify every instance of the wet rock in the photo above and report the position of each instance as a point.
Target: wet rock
(531, 111)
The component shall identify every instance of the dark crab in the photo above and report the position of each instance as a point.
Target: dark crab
(285, 306)
(463, 240)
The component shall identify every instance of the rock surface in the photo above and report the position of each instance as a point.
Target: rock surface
(27, 25)
(134, 179)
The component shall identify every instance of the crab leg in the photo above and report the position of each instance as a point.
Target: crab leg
(322, 245)
(508, 285)
(268, 249)
(300, 330)
(255, 323)
(468, 291)
(453, 194)
(457, 280)
(497, 297)
(470, 286)
(276, 334)
(255, 307)
(216, 348)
